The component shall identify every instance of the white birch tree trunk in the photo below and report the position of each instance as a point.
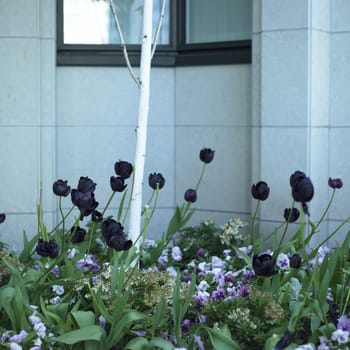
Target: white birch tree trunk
(141, 128)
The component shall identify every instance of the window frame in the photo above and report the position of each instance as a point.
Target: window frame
(177, 53)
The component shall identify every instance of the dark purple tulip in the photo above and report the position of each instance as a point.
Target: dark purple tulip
(96, 216)
(335, 183)
(47, 249)
(119, 242)
(117, 184)
(206, 155)
(113, 233)
(190, 195)
(295, 261)
(2, 217)
(302, 187)
(111, 227)
(156, 178)
(291, 216)
(61, 188)
(83, 200)
(284, 341)
(78, 235)
(86, 184)
(260, 190)
(264, 265)
(123, 169)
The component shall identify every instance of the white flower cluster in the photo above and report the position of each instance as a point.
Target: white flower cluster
(231, 230)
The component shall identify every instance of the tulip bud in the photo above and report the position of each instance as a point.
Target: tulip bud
(190, 195)
(264, 265)
(295, 261)
(335, 183)
(291, 216)
(206, 155)
(302, 187)
(123, 169)
(86, 184)
(154, 179)
(61, 188)
(117, 184)
(78, 235)
(260, 190)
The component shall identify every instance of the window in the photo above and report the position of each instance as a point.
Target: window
(193, 32)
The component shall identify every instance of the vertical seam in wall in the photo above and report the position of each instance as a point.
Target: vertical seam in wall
(175, 135)
(329, 99)
(38, 77)
(309, 85)
(54, 162)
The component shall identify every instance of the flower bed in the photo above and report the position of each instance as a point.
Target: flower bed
(203, 287)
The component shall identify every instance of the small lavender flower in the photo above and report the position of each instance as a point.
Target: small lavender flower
(56, 270)
(245, 250)
(59, 290)
(201, 297)
(176, 253)
(171, 271)
(186, 325)
(200, 252)
(4, 336)
(342, 337)
(305, 347)
(203, 285)
(217, 264)
(33, 319)
(15, 346)
(37, 344)
(218, 294)
(18, 338)
(282, 261)
(344, 323)
(72, 252)
(102, 321)
(40, 329)
(140, 333)
(243, 291)
(56, 300)
(163, 260)
(199, 342)
(325, 344)
(202, 319)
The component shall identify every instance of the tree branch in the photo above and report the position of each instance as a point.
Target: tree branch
(122, 41)
(159, 25)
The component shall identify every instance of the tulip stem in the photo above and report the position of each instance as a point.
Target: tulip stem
(253, 221)
(149, 217)
(108, 202)
(41, 226)
(130, 197)
(63, 221)
(201, 176)
(90, 236)
(286, 227)
(326, 210)
(60, 223)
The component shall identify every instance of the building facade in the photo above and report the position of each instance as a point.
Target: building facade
(284, 111)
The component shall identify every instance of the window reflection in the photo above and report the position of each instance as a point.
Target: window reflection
(91, 21)
(219, 20)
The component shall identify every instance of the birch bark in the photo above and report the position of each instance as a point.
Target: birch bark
(141, 128)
